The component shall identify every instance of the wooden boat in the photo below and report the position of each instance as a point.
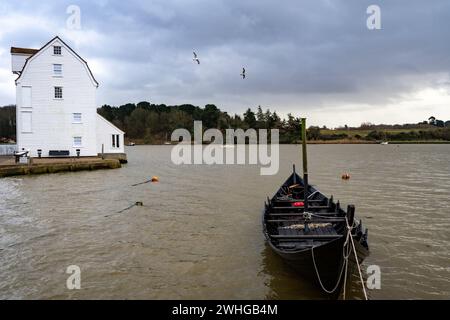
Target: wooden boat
(313, 234)
(299, 236)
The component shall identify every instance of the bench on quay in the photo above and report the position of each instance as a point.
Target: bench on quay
(59, 153)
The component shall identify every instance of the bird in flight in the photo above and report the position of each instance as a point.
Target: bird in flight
(243, 73)
(195, 58)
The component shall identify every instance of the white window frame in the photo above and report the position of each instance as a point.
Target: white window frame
(115, 141)
(56, 49)
(24, 88)
(75, 143)
(22, 114)
(56, 94)
(77, 117)
(57, 69)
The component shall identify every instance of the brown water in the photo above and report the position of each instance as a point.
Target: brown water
(198, 235)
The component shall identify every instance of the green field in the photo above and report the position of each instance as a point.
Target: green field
(363, 133)
(422, 134)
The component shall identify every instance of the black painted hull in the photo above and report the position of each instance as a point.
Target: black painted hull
(328, 254)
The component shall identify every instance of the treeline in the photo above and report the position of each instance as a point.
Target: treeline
(145, 122)
(7, 124)
(152, 123)
(413, 135)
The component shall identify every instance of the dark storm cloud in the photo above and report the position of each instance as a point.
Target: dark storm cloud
(308, 53)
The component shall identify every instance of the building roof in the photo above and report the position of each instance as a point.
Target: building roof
(36, 51)
(23, 50)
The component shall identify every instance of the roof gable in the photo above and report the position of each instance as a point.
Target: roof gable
(99, 117)
(60, 42)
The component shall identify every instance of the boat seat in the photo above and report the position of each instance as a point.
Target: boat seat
(325, 229)
(313, 220)
(307, 237)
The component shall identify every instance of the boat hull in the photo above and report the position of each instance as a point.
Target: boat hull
(317, 259)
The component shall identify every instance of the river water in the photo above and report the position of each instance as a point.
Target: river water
(198, 235)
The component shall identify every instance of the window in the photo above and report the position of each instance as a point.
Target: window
(57, 50)
(115, 141)
(77, 141)
(57, 69)
(26, 97)
(76, 118)
(26, 121)
(58, 93)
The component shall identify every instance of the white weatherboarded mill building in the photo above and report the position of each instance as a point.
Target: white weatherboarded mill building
(56, 104)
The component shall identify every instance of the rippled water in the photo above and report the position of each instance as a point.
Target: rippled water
(198, 234)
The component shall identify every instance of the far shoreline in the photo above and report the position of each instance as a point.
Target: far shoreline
(311, 142)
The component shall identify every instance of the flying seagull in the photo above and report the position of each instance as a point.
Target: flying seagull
(243, 73)
(195, 58)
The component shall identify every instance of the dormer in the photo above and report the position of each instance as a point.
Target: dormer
(18, 58)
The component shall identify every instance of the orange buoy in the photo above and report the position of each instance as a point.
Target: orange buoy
(155, 179)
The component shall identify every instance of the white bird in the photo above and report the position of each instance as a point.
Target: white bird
(243, 73)
(195, 58)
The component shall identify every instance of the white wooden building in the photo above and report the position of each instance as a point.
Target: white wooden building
(56, 104)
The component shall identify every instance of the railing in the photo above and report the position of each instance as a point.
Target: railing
(7, 149)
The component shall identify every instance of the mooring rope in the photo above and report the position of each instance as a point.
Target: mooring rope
(136, 204)
(137, 184)
(345, 257)
(357, 262)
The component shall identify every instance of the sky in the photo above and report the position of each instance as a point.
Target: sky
(314, 58)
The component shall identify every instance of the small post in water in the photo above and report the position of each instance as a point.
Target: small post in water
(305, 163)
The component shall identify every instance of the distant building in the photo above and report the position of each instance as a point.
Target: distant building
(56, 104)
(432, 120)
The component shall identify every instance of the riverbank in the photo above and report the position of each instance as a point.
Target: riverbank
(52, 165)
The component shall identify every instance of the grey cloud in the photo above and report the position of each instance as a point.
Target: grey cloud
(311, 53)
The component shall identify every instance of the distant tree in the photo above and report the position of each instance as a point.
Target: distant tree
(366, 125)
(8, 122)
(268, 119)
(375, 135)
(313, 133)
(224, 121)
(137, 123)
(440, 123)
(249, 118)
(236, 122)
(125, 111)
(107, 112)
(144, 105)
(178, 119)
(210, 116)
(275, 121)
(260, 115)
